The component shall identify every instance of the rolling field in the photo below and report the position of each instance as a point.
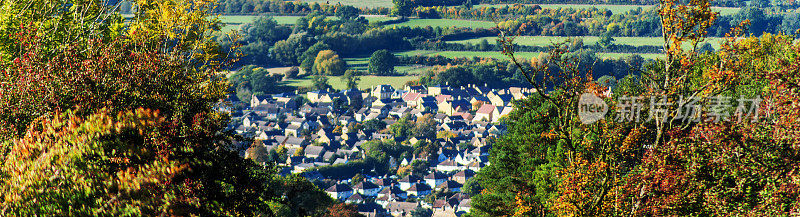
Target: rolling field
(234, 21)
(587, 40)
(651, 56)
(358, 3)
(362, 63)
(366, 81)
(469, 54)
(519, 55)
(616, 9)
(445, 23)
(242, 19)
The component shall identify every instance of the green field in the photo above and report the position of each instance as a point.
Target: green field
(498, 55)
(358, 3)
(445, 23)
(242, 19)
(587, 40)
(361, 63)
(357, 63)
(234, 21)
(366, 81)
(468, 54)
(616, 9)
(651, 56)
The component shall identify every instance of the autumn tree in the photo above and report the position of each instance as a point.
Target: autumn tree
(310, 55)
(328, 62)
(102, 116)
(342, 210)
(550, 161)
(660, 165)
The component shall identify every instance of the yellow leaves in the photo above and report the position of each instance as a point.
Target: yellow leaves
(522, 208)
(583, 189)
(69, 152)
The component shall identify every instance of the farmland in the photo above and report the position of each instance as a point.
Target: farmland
(234, 21)
(242, 19)
(587, 40)
(361, 63)
(468, 54)
(616, 9)
(445, 23)
(498, 55)
(358, 3)
(365, 83)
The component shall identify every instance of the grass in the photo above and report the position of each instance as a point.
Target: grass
(358, 63)
(377, 18)
(468, 54)
(358, 3)
(651, 56)
(616, 9)
(366, 81)
(498, 55)
(242, 19)
(445, 23)
(235, 21)
(587, 40)
(412, 70)
(362, 63)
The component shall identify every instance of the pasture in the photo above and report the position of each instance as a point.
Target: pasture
(519, 55)
(358, 3)
(616, 9)
(445, 23)
(587, 40)
(468, 54)
(362, 63)
(242, 19)
(235, 21)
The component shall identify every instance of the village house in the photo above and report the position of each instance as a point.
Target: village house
(367, 188)
(418, 190)
(463, 176)
(401, 208)
(382, 91)
(435, 178)
(406, 181)
(339, 191)
(321, 133)
(450, 185)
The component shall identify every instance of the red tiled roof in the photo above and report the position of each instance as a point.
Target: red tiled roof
(486, 109)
